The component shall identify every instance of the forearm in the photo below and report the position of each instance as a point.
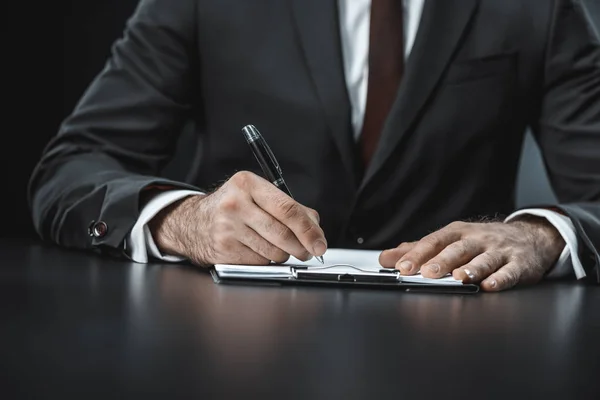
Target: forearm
(121, 133)
(67, 193)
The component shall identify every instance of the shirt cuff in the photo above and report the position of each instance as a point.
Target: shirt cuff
(140, 243)
(568, 261)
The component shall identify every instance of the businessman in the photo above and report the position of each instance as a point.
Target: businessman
(398, 126)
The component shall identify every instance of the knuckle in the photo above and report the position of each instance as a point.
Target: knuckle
(518, 256)
(287, 235)
(494, 258)
(281, 231)
(461, 249)
(308, 231)
(270, 226)
(409, 244)
(457, 225)
(511, 278)
(315, 215)
(306, 226)
(488, 237)
(404, 247)
(486, 261)
(429, 243)
(472, 246)
(414, 255)
(241, 178)
(229, 203)
(514, 279)
(289, 209)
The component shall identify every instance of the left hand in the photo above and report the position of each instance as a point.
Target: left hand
(496, 254)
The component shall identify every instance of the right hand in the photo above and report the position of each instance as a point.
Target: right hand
(246, 221)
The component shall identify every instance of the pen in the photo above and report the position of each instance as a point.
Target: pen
(267, 161)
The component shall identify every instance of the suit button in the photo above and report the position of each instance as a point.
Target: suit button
(98, 229)
(360, 240)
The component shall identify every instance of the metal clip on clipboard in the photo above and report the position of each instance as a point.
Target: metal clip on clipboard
(345, 273)
(337, 275)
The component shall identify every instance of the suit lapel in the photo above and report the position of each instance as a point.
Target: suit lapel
(317, 24)
(440, 30)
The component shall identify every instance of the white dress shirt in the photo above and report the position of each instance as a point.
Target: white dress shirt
(354, 28)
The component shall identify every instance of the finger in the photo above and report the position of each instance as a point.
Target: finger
(512, 274)
(246, 256)
(426, 249)
(290, 213)
(452, 257)
(262, 247)
(274, 232)
(237, 253)
(389, 258)
(313, 214)
(479, 267)
(505, 278)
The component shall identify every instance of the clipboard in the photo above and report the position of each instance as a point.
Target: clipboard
(336, 275)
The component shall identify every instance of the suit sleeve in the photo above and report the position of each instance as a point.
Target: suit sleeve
(568, 128)
(122, 132)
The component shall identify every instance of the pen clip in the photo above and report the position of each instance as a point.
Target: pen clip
(272, 157)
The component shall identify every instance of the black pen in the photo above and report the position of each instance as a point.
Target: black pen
(267, 161)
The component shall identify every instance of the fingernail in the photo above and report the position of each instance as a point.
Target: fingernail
(469, 274)
(406, 266)
(319, 248)
(435, 268)
(493, 283)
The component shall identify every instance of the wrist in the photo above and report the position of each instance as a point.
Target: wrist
(543, 233)
(169, 226)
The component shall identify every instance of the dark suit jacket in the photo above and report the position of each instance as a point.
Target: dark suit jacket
(479, 73)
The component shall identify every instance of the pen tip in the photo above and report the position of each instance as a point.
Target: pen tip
(320, 258)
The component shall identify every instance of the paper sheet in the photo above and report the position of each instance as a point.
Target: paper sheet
(367, 260)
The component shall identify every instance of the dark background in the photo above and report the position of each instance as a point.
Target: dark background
(51, 52)
(53, 49)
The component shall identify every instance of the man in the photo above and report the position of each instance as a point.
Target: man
(394, 120)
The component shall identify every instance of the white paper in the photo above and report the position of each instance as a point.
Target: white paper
(367, 260)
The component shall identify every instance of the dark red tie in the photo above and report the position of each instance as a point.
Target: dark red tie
(386, 65)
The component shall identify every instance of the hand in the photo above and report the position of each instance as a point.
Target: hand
(499, 255)
(246, 221)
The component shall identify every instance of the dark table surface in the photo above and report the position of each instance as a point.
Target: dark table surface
(81, 325)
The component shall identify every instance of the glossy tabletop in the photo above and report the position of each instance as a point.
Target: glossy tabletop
(80, 325)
